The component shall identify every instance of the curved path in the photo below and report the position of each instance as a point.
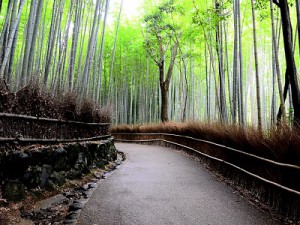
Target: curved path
(161, 186)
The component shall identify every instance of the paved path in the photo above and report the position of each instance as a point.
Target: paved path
(158, 186)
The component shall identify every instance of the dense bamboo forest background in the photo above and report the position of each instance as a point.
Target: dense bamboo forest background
(228, 61)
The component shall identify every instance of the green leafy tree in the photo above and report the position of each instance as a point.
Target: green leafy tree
(161, 41)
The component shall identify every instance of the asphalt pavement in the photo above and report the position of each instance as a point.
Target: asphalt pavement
(157, 186)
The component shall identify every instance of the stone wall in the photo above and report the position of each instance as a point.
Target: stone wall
(49, 167)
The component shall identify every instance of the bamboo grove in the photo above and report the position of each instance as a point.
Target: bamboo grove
(232, 61)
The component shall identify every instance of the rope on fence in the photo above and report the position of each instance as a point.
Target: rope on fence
(24, 129)
(24, 140)
(218, 145)
(8, 115)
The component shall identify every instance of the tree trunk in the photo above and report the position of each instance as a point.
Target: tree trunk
(186, 91)
(164, 84)
(291, 70)
(75, 34)
(275, 50)
(256, 69)
(13, 48)
(298, 22)
(34, 38)
(98, 91)
(241, 69)
(10, 41)
(51, 40)
(235, 92)
(164, 93)
(207, 77)
(29, 36)
(91, 48)
(114, 48)
(7, 29)
(219, 47)
(164, 105)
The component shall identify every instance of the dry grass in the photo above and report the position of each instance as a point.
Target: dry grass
(34, 100)
(6, 98)
(280, 145)
(68, 106)
(103, 114)
(86, 112)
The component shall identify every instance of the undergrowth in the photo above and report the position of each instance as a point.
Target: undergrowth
(34, 100)
(277, 144)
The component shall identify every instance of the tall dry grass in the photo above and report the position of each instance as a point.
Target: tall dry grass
(35, 100)
(282, 144)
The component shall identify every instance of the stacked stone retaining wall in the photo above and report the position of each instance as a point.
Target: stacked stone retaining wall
(50, 167)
